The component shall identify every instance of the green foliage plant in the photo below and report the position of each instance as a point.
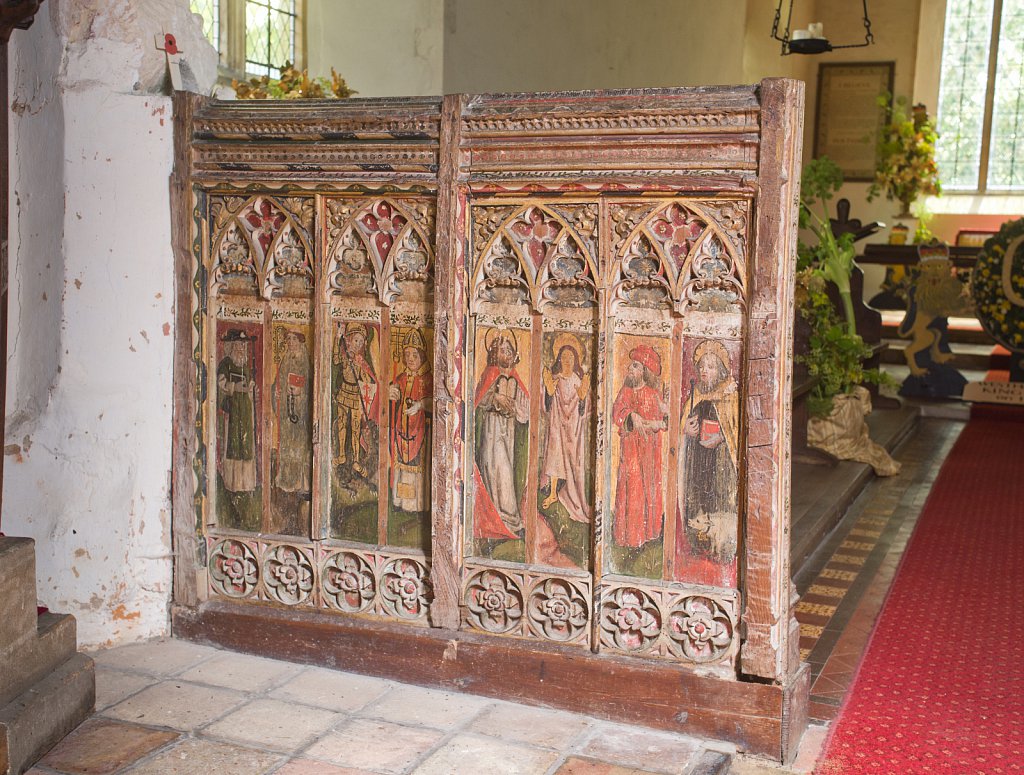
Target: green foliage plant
(832, 257)
(835, 356)
(836, 353)
(294, 84)
(906, 167)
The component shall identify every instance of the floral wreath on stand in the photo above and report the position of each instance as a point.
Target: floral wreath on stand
(997, 285)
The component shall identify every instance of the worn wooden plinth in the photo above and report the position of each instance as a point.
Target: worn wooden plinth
(758, 717)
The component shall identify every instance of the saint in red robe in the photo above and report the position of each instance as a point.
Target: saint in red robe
(639, 415)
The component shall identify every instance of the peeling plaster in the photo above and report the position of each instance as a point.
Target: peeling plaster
(90, 214)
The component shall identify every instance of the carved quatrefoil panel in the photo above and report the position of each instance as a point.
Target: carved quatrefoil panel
(696, 626)
(527, 605)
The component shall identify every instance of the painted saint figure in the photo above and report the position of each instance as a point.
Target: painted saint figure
(357, 400)
(502, 412)
(567, 403)
(291, 404)
(235, 386)
(640, 414)
(708, 462)
(410, 396)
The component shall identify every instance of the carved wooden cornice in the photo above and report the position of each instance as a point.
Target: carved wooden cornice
(16, 14)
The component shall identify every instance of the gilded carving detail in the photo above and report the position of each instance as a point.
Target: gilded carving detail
(380, 246)
(680, 257)
(537, 254)
(744, 120)
(261, 246)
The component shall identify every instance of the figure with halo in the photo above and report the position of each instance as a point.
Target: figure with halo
(567, 409)
(502, 404)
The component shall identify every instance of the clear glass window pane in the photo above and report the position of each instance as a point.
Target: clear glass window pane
(961, 110)
(1006, 154)
(269, 35)
(209, 10)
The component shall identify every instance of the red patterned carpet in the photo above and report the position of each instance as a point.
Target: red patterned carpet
(941, 686)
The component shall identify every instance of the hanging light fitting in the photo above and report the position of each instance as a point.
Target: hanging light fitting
(812, 40)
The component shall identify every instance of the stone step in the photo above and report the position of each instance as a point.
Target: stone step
(40, 717)
(32, 658)
(18, 582)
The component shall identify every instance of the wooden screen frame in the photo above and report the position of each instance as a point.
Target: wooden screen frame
(701, 141)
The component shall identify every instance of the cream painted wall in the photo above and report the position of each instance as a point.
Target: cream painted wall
(383, 48)
(533, 45)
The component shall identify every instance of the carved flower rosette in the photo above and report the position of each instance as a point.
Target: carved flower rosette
(630, 620)
(405, 588)
(558, 611)
(234, 571)
(348, 582)
(287, 575)
(493, 602)
(699, 629)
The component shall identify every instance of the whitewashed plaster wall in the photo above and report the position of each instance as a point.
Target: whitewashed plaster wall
(383, 49)
(91, 320)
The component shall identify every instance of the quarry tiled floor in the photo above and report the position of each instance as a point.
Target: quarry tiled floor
(170, 707)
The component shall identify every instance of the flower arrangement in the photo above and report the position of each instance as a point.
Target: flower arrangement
(906, 155)
(293, 84)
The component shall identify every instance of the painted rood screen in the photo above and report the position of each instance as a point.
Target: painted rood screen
(602, 428)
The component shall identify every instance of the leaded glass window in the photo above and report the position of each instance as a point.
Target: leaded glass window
(981, 97)
(269, 35)
(255, 37)
(210, 11)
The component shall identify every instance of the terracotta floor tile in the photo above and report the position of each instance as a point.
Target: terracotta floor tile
(204, 756)
(472, 754)
(176, 704)
(822, 711)
(375, 745)
(425, 707)
(310, 767)
(331, 689)
(639, 748)
(161, 657)
(273, 724)
(101, 746)
(533, 726)
(577, 766)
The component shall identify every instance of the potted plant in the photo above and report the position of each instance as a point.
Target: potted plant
(906, 155)
(834, 353)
